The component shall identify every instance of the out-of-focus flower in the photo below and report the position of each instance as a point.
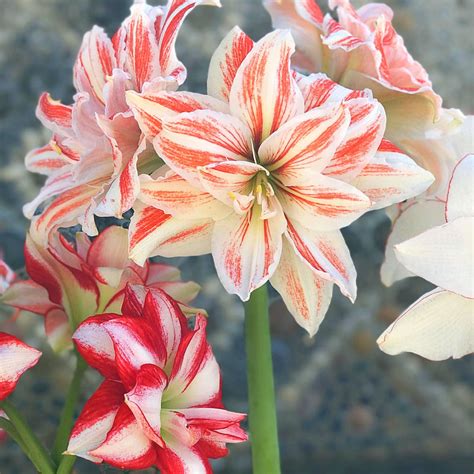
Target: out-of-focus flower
(441, 323)
(439, 152)
(96, 150)
(70, 282)
(160, 404)
(7, 275)
(16, 358)
(360, 50)
(264, 172)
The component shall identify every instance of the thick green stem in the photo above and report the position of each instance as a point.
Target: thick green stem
(262, 412)
(66, 464)
(67, 416)
(27, 440)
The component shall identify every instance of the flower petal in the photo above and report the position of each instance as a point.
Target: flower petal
(327, 204)
(366, 129)
(264, 94)
(144, 400)
(176, 196)
(16, 357)
(443, 255)
(225, 62)
(199, 138)
(53, 115)
(28, 296)
(327, 254)
(150, 109)
(305, 294)
(126, 445)
(178, 458)
(305, 145)
(438, 326)
(48, 159)
(391, 177)
(415, 219)
(246, 250)
(96, 420)
(460, 199)
(152, 232)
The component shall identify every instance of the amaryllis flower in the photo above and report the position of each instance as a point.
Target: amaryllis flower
(264, 172)
(441, 323)
(7, 275)
(96, 149)
(16, 358)
(160, 404)
(445, 144)
(361, 49)
(70, 282)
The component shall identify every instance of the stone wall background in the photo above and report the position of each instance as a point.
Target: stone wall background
(344, 407)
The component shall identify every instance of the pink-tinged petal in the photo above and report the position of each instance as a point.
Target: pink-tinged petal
(438, 326)
(199, 138)
(114, 93)
(141, 51)
(305, 294)
(94, 63)
(443, 255)
(176, 196)
(134, 345)
(126, 445)
(318, 90)
(152, 232)
(28, 296)
(225, 62)
(337, 37)
(304, 146)
(264, 94)
(460, 199)
(48, 159)
(144, 400)
(212, 418)
(96, 346)
(415, 219)
(16, 358)
(7, 276)
(391, 177)
(58, 330)
(328, 204)
(304, 19)
(150, 109)
(362, 139)
(226, 179)
(96, 420)
(54, 115)
(327, 254)
(178, 458)
(69, 208)
(167, 28)
(246, 250)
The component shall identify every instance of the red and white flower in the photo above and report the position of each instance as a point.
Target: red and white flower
(16, 358)
(70, 282)
(160, 404)
(96, 149)
(264, 172)
(7, 276)
(441, 323)
(361, 49)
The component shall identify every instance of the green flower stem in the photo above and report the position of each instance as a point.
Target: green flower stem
(67, 416)
(66, 464)
(262, 412)
(7, 426)
(27, 439)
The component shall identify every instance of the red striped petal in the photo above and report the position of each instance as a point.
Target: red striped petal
(225, 62)
(54, 115)
(264, 94)
(178, 458)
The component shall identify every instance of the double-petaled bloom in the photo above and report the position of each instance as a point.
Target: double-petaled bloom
(16, 358)
(264, 171)
(160, 403)
(362, 49)
(97, 148)
(68, 282)
(441, 323)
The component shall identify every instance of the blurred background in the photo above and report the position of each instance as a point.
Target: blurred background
(344, 406)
